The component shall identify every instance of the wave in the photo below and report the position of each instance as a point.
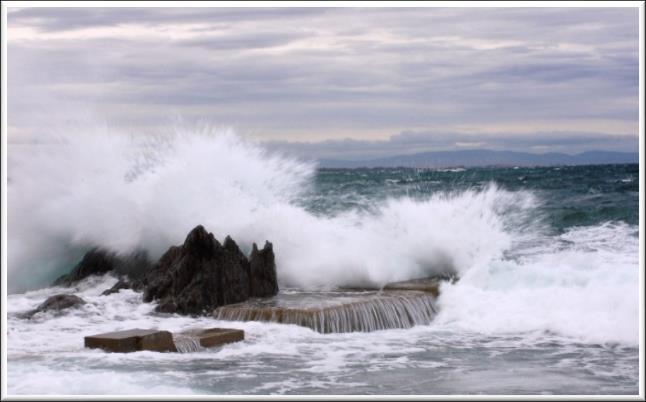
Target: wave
(584, 284)
(126, 193)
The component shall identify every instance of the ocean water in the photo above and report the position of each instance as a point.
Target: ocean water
(548, 260)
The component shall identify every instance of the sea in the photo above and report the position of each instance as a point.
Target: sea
(546, 302)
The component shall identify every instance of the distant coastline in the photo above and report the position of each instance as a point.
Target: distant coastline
(485, 158)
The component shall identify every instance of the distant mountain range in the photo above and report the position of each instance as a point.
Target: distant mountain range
(471, 158)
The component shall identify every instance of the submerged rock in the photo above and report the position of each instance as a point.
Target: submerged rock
(202, 274)
(121, 284)
(56, 303)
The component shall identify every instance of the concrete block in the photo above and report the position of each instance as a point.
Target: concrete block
(212, 337)
(132, 340)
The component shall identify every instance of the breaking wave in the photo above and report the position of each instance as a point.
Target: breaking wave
(127, 193)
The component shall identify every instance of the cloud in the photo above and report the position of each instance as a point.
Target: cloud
(47, 19)
(311, 74)
(247, 41)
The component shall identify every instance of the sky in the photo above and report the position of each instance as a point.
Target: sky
(333, 82)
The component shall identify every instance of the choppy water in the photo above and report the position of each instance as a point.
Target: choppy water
(547, 301)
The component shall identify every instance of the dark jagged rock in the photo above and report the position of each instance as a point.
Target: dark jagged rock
(95, 262)
(193, 278)
(134, 265)
(99, 261)
(121, 284)
(234, 272)
(262, 271)
(203, 274)
(56, 303)
(199, 275)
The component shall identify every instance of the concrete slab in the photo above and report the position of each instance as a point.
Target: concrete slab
(428, 285)
(212, 337)
(132, 340)
(333, 312)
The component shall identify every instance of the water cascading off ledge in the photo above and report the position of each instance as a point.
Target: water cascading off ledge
(398, 305)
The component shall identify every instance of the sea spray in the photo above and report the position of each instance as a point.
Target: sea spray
(584, 284)
(125, 193)
(558, 305)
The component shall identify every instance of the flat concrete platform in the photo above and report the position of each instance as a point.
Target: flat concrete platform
(212, 337)
(132, 340)
(428, 285)
(340, 311)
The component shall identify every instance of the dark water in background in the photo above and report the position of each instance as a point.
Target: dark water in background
(570, 195)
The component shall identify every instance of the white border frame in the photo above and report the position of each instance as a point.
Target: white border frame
(483, 4)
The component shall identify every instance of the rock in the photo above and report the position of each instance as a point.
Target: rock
(121, 284)
(202, 274)
(134, 265)
(95, 262)
(56, 303)
(262, 272)
(193, 278)
(234, 271)
(99, 261)
(132, 340)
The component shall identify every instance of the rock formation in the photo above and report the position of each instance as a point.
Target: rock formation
(203, 274)
(55, 303)
(121, 284)
(193, 278)
(94, 262)
(262, 271)
(99, 261)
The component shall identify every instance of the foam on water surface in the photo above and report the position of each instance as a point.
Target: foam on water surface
(542, 305)
(46, 356)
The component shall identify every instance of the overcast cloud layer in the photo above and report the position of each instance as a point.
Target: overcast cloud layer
(362, 81)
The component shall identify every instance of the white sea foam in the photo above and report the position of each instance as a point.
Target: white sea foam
(586, 286)
(46, 356)
(113, 191)
(123, 194)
